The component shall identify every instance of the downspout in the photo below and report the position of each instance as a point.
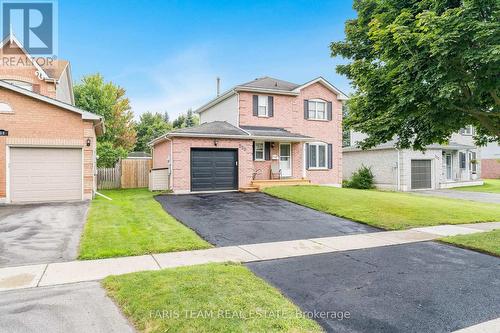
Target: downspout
(398, 171)
(171, 165)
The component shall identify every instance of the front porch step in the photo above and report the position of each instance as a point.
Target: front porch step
(249, 189)
(260, 184)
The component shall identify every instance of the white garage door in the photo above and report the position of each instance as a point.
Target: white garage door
(45, 174)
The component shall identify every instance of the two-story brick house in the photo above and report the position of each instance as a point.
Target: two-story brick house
(260, 130)
(47, 145)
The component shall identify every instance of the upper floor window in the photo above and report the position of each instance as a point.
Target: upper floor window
(21, 84)
(263, 106)
(317, 109)
(468, 130)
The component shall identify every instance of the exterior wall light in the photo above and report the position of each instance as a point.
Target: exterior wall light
(89, 142)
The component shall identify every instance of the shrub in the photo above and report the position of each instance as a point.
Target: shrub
(361, 179)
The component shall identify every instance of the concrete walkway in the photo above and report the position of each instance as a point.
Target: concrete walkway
(90, 270)
(464, 195)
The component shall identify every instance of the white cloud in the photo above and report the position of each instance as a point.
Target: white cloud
(182, 81)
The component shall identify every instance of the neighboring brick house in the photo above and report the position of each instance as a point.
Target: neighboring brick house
(47, 145)
(440, 166)
(263, 129)
(490, 161)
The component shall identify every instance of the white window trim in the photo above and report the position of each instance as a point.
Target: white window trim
(266, 98)
(316, 100)
(263, 151)
(317, 144)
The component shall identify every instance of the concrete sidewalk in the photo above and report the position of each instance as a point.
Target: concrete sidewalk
(90, 270)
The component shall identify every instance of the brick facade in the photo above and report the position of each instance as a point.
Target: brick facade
(36, 123)
(490, 168)
(289, 114)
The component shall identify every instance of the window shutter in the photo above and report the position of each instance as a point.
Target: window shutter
(267, 151)
(270, 105)
(330, 157)
(256, 105)
(307, 156)
(329, 110)
(306, 110)
(253, 151)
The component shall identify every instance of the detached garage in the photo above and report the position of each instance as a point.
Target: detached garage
(45, 174)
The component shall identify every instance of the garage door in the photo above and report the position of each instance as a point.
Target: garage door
(421, 174)
(45, 174)
(214, 169)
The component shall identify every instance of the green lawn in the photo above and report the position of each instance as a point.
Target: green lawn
(133, 224)
(388, 210)
(488, 242)
(490, 185)
(205, 298)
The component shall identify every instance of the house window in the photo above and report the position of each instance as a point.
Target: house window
(317, 110)
(259, 151)
(468, 130)
(472, 162)
(462, 160)
(262, 106)
(317, 156)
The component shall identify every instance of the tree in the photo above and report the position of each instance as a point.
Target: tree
(150, 126)
(190, 119)
(422, 70)
(179, 122)
(166, 117)
(109, 154)
(108, 100)
(186, 120)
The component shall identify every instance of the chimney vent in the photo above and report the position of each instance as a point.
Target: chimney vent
(218, 86)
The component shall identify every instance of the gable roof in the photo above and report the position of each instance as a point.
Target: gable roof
(98, 120)
(267, 82)
(271, 85)
(224, 130)
(12, 39)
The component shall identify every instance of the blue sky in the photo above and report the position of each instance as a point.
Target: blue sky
(167, 54)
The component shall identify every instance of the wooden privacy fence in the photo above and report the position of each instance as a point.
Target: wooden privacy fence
(108, 178)
(135, 172)
(127, 173)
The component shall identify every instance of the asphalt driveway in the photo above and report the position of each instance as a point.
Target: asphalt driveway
(234, 218)
(420, 287)
(80, 307)
(40, 233)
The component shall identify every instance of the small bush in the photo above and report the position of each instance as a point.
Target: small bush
(361, 179)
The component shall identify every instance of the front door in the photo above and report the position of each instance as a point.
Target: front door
(285, 160)
(449, 166)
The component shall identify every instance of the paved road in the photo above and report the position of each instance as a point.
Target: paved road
(465, 195)
(225, 219)
(40, 233)
(420, 287)
(81, 307)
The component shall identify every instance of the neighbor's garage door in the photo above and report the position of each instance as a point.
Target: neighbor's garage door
(45, 174)
(421, 174)
(214, 169)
